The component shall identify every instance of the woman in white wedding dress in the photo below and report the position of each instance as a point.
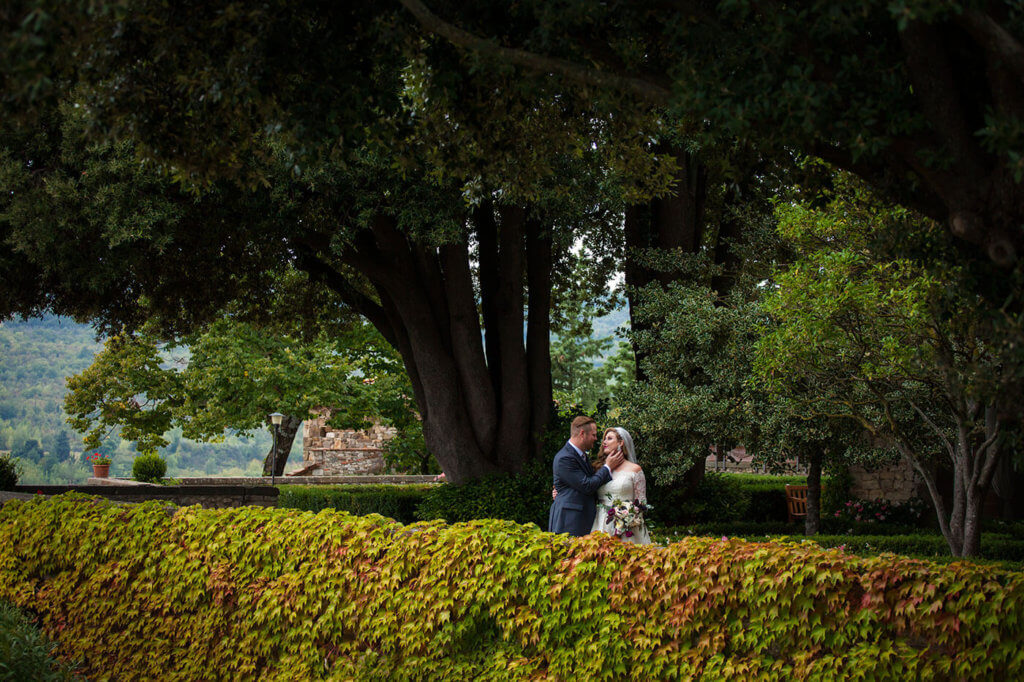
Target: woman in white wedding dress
(627, 484)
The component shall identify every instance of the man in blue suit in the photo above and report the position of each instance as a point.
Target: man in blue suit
(576, 482)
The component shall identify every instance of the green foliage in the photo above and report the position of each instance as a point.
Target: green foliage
(232, 374)
(837, 492)
(398, 502)
(407, 453)
(10, 470)
(149, 468)
(718, 499)
(26, 655)
(524, 498)
(35, 356)
(125, 386)
(697, 351)
(588, 366)
(62, 446)
(289, 198)
(272, 593)
(29, 450)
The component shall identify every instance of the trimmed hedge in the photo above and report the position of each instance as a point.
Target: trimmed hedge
(725, 497)
(524, 498)
(282, 594)
(398, 502)
(767, 495)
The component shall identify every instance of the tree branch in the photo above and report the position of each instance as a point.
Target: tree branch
(987, 450)
(994, 39)
(320, 271)
(936, 429)
(538, 326)
(933, 490)
(646, 90)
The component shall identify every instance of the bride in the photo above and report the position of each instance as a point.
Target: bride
(627, 484)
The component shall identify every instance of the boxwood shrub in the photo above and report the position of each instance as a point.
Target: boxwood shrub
(767, 495)
(141, 592)
(149, 468)
(398, 502)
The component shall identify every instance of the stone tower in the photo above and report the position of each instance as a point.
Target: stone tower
(328, 451)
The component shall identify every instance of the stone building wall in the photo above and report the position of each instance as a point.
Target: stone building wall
(328, 451)
(897, 482)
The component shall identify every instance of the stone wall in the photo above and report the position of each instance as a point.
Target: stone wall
(897, 482)
(327, 451)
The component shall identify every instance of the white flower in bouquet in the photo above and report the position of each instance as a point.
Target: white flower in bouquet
(624, 517)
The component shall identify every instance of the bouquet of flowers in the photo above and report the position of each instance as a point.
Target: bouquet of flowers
(626, 516)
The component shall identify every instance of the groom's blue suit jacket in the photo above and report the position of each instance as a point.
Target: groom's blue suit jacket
(573, 510)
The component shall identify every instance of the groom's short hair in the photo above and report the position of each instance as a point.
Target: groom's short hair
(580, 423)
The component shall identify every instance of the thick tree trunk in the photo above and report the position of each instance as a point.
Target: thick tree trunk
(694, 475)
(675, 222)
(277, 458)
(484, 393)
(538, 329)
(974, 465)
(812, 522)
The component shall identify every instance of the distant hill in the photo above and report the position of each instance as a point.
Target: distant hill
(36, 356)
(610, 324)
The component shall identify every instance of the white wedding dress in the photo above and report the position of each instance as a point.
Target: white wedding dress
(625, 486)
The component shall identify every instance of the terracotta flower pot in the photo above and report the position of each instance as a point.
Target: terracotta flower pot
(100, 470)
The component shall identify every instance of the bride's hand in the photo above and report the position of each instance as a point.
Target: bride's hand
(554, 492)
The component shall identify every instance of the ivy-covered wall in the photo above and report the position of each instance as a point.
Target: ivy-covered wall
(282, 594)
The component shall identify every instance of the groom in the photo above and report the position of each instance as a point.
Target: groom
(574, 508)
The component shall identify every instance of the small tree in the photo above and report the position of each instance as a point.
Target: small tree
(876, 325)
(235, 375)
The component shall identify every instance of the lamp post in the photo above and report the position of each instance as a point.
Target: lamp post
(275, 418)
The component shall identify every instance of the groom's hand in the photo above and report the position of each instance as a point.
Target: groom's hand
(614, 460)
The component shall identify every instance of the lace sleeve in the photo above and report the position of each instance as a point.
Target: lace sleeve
(640, 486)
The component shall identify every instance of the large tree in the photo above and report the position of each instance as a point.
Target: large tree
(923, 100)
(92, 232)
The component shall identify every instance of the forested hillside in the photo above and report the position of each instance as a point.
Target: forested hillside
(35, 357)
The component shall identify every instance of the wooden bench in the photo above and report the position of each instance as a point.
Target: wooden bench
(796, 501)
